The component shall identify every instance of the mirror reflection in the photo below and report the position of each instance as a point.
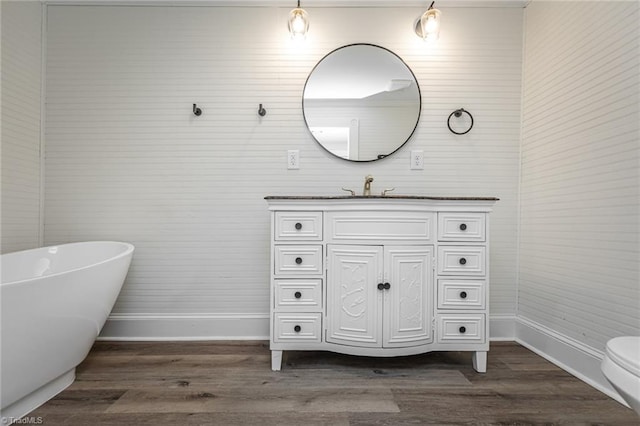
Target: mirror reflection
(361, 102)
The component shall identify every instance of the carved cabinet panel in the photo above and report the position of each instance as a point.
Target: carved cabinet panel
(379, 296)
(408, 303)
(354, 302)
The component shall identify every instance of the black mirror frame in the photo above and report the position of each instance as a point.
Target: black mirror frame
(380, 157)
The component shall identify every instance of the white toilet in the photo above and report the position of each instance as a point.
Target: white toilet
(621, 366)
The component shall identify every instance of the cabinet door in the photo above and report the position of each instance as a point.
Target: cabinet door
(354, 303)
(408, 303)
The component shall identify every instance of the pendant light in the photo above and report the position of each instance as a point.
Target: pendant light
(298, 23)
(428, 26)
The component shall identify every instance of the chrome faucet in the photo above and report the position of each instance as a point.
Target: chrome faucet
(366, 191)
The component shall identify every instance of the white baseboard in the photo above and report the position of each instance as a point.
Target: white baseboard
(502, 328)
(569, 354)
(153, 327)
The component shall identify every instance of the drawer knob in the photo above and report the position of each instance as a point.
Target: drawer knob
(297, 295)
(298, 260)
(387, 286)
(297, 329)
(463, 261)
(463, 295)
(462, 330)
(380, 286)
(463, 226)
(298, 226)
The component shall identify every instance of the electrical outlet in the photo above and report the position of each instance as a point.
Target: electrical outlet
(417, 160)
(293, 159)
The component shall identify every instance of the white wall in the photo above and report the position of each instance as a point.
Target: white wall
(20, 111)
(579, 246)
(127, 160)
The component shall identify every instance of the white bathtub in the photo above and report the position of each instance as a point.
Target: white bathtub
(54, 302)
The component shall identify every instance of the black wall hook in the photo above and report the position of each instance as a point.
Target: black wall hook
(197, 111)
(261, 111)
(458, 114)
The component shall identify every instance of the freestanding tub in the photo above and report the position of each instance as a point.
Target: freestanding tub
(54, 303)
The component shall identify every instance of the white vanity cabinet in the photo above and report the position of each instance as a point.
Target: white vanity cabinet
(380, 276)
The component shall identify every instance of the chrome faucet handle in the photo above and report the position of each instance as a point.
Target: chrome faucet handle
(349, 190)
(384, 193)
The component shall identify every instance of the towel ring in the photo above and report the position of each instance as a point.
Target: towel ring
(458, 113)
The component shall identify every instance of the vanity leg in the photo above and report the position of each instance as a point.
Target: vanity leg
(276, 360)
(479, 361)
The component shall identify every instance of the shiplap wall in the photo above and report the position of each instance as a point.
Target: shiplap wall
(20, 151)
(127, 160)
(579, 252)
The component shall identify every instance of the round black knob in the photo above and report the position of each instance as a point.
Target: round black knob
(298, 226)
(298, 260)
(463, 226)
(463, 295)
(387, 286)
(380, 286)
(297, 329)
(298, 295)
(463, 261)
(462, 330)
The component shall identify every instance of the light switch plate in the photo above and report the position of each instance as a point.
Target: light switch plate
(417, 160)
(293, 159)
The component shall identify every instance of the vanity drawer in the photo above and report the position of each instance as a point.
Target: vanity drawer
(298, 260)
(297, 327)
(461, 226)
(381, 226)
(298, 295)
(461, 260)
(461, 294)
(461, 329)
(296, 226)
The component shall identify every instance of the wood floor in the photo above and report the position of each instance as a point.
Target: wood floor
(231, 383)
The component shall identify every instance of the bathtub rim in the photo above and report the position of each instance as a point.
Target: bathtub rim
(130, 248)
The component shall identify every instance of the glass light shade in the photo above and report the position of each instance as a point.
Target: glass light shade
(298, 23)
(430, 25)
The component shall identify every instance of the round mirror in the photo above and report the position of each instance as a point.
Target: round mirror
(361, 102)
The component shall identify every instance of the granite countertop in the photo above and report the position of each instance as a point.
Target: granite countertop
(377, 197)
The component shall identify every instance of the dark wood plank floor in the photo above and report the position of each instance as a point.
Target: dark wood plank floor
(231, 383)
